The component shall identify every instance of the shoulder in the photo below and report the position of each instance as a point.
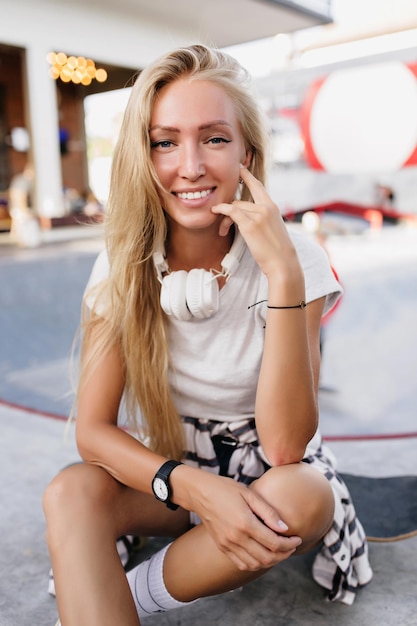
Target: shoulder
(319, 276)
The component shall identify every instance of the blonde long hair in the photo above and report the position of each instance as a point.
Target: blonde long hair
(136, 225)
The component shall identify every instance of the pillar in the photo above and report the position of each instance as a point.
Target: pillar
(44, 129)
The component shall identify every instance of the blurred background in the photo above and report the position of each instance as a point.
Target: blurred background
(337, 81)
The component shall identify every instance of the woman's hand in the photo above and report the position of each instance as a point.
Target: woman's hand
(260, 224)
(242, 524)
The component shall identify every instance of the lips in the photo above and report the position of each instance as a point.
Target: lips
(194, 195)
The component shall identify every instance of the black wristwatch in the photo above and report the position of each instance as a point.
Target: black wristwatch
(160, 484)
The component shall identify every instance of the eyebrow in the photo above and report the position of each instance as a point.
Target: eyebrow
(202, 127)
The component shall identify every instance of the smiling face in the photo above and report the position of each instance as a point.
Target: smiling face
(197, 147)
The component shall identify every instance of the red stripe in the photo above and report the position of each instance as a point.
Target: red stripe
(375, 437)
(27, 409)
(305, 119)
(412, 159)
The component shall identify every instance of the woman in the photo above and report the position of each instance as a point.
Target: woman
(202, 307)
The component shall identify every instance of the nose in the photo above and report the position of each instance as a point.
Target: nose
(191, 162)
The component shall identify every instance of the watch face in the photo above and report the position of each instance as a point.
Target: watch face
(160, 489)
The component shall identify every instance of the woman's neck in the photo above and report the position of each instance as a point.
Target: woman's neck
(186, 250)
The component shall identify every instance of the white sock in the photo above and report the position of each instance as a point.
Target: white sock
(148, 589)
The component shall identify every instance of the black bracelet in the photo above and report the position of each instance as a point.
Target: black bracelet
(302, 305)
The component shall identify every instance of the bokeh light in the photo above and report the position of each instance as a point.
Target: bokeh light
(79, 70)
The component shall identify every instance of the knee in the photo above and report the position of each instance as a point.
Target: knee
(77, 494)
(303, 498)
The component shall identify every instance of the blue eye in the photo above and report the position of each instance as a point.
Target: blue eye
(161, 144)
(217, 140)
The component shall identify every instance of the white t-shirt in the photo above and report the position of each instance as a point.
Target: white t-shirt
(216, 360)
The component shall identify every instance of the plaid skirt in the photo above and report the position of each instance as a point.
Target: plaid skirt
(232, 449)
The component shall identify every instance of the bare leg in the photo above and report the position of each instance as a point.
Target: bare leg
(86, 511)
(194, 567)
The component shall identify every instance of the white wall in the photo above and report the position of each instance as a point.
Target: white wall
(105, 36)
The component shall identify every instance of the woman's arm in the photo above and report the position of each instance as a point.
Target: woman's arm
(100, 441)
(286, 400)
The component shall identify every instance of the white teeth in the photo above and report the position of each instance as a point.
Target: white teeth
(193, 195)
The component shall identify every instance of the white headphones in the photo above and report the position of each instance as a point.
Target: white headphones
(196, 293)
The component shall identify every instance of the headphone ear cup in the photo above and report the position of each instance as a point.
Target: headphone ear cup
(173, 298)
(202, 293)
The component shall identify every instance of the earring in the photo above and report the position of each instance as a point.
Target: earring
(240, 181)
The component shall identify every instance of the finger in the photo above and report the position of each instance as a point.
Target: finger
(271, 540)
(254, 557)
(237, 212)
(265, 513)
(271, 518)
(244, 559)
(276, 542)
(258, 191)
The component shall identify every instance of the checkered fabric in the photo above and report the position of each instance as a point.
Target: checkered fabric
(341, 565)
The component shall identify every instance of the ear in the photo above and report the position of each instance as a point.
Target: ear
(248, 158)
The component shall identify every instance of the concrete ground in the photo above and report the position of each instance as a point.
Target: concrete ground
(368, 389)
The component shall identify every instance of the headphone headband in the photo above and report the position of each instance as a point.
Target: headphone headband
(185, 295)
(230, 261)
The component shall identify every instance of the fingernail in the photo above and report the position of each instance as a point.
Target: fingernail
(282, 525)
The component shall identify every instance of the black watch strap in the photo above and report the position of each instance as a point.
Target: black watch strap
(167, 467)
(164, 473)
